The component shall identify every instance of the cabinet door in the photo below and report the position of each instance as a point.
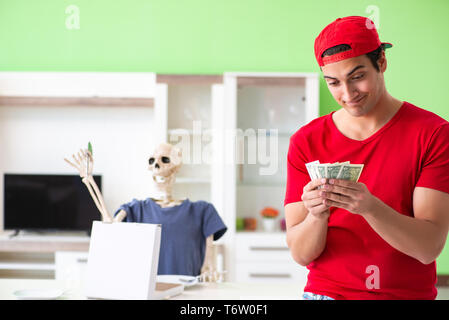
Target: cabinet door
(70, 268)
(275, 272)
(262, 247)
(186, 116)
(264, 110)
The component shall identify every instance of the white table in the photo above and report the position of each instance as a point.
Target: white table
(203, 291)
(206, 291)
(245, 291)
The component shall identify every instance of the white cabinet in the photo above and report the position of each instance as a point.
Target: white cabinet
(71, 268)
(261, 112)
(44, 257)
(265, 257)
(26, 265)
(234, 131)
(187, 115)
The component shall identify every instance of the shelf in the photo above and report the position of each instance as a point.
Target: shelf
(192, 180)
(188, 79)
(26, 266)
(260, 233)
(27, 261)
(44, 245)
(75, 101)
(271, 81)
(261, 184)
(280, 134)
(182, 131)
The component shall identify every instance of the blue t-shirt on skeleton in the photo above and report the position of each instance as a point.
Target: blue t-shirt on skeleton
(185, 228)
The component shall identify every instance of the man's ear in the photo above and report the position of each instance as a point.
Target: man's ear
(382, 62)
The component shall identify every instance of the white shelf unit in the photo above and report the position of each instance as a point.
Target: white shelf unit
(39, 257)
(67, 266)
(186, 113)
(263, 110)
(26, 261)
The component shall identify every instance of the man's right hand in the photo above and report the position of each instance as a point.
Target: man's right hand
(313, 201)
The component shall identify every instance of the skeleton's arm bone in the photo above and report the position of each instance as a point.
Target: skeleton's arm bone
(106, 216)
(209, 257)
(120, 216)
(87, 155)
(104, 213)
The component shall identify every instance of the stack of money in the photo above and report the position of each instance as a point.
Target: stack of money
(337, 170)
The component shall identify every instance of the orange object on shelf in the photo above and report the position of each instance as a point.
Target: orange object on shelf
(250, 224)
(269, 212)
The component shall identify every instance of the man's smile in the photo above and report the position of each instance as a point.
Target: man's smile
(356, 102)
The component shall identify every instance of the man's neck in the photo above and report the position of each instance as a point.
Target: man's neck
(360, 128)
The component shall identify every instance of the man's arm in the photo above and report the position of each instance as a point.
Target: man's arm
(306, 234)
(306, 223)
(422, 237)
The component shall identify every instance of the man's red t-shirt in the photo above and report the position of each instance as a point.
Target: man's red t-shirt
(411, 150)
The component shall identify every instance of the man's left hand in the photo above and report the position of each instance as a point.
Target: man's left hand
(349, 195)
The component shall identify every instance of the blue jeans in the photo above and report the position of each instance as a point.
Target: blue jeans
(314, 296)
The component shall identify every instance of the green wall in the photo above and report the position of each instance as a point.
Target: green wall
(213, 36)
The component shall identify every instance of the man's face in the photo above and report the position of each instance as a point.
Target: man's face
(355, 84)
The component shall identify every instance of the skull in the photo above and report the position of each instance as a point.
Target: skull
(164, 163)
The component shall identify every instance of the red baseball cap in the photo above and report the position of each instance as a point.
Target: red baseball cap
(358, 32)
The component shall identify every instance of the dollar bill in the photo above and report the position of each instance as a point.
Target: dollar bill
(321, 170)
(337, 170)
(350, 172)
(333, 170)
(311, 169)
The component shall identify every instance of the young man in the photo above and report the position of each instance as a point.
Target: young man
(377, 238)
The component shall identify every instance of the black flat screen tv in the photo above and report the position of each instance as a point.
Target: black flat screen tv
(48, 202)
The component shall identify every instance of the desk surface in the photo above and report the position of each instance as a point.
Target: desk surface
(204, 291)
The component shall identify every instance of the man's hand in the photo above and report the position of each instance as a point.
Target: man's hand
(349, 195)
(313, 201)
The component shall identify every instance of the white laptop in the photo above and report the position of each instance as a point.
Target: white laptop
(123, 261)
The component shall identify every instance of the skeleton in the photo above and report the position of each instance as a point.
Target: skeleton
(164, 163)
